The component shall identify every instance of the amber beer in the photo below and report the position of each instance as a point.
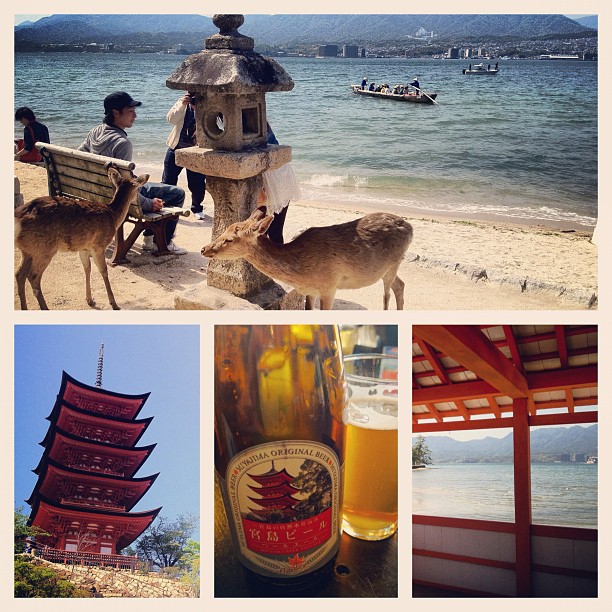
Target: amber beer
(370, 485)
(279, 446)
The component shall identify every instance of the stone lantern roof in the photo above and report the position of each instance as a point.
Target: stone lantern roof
(229, 65)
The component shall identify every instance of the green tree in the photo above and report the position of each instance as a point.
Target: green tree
(421, 455)
(190, 566)
(22, 530)
(36, 581)
(165, 543)
(313, 480)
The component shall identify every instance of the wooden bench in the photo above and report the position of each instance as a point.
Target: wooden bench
(77, 174)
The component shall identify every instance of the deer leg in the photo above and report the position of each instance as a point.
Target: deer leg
(390, 281)
(398, 290)
(100, 262)
(86, 261)
(39, 265)
(20, 276)
(310, 302)
(327, 301)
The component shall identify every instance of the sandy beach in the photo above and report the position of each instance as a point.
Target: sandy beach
(452, 264)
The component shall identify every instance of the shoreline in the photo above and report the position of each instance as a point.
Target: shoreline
(341, 202)
(452, 264)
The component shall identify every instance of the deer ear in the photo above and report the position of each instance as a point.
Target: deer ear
(258, 213)
(265, 224)
(142, 179)
(114, 176)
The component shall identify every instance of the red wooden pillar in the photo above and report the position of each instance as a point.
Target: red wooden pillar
(522, 497)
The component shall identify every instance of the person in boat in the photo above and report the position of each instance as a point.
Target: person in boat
(489, 67)
(372, 86)
(364, 82)
(496, 65)
(415, 83)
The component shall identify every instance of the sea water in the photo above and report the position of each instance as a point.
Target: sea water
(520, 146)
(561, 493)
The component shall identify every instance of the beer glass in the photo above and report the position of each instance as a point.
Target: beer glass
(369, 510)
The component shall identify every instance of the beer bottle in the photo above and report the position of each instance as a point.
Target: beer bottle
(279, 447)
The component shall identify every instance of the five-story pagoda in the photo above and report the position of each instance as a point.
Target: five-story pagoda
(86, 485)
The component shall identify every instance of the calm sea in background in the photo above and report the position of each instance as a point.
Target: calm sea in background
(520, 146)
(562, 494)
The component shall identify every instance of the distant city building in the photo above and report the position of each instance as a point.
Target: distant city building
(350, 51)
(327, 51)
(453, 53)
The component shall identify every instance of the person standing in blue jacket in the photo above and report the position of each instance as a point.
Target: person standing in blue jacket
(182, 119)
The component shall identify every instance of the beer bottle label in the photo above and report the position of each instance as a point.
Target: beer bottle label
(284, 501)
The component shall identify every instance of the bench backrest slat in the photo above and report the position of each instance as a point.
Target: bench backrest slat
(82, 175)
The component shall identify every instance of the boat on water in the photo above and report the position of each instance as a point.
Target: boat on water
(425, 97)
(480, 69)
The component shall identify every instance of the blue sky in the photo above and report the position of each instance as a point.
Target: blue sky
(161, 359)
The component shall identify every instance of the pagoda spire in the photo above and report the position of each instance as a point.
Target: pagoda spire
(100, 366)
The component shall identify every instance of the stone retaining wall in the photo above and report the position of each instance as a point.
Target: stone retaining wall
(110, 582)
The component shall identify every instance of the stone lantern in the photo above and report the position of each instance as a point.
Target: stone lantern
(229, 81)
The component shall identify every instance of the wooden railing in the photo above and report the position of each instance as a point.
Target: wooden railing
(72, 557)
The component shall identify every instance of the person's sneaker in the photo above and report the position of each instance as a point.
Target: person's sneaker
(148, 244)
(200, 216)
(176, 250)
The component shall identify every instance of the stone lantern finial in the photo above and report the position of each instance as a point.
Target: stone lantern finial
(228, 36)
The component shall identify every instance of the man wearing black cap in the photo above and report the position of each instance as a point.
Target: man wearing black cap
(111, 140)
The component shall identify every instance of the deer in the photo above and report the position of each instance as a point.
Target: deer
(321, 260)
(48, 224)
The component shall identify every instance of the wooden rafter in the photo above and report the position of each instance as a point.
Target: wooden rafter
(434, 412)
(561, 345)
(513, 346)
(494, 406)
(435, 362)
(463, 410)
(470, 347)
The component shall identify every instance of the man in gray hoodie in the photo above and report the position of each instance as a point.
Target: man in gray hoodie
(111, 140)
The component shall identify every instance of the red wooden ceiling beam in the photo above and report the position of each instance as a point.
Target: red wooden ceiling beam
(450, 393)
(561, 345)
(434, 412)
(494, 406)
(463, 410)
(436, 364)
(561, 379)
(463, 425)
(470, 347)
(512, 345)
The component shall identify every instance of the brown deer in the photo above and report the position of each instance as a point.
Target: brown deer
(47, 225)
(323, 259)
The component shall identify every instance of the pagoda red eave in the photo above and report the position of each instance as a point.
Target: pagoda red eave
(74, 487)
(77, 452)
(96, 399)
(114, 430)
(67, 524)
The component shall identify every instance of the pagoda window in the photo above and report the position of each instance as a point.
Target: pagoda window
(106, 549)
(71, 545)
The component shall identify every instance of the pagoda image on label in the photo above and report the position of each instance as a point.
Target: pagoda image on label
(87, 483)
(276, 495)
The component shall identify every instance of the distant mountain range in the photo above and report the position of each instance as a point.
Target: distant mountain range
(277, 30)
(588, 22)
(546, 443)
